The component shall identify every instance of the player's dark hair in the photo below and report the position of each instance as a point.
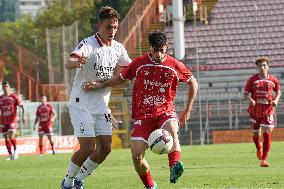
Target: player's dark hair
(262, 59)
(108, 13)
(5, 83)
(157, 40)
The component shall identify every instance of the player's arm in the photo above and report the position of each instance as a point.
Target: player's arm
(192, 91)
(36, 121)
(75, 62)
(247, 96)
(91, 85)
(53, 116)
(247, 92)
(276, 99)
(23, 113)
(117, 70)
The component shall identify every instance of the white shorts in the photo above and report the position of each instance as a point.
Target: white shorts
(86, 124)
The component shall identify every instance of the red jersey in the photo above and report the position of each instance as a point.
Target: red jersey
(8, 108)
(262, 92)
(155, 86)
(44, 113)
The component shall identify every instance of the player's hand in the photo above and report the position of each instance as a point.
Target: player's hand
(274, 103)
(252, 102)
(23, 120)
(80, 61)
(90, 85)
(132, 121)
(184, 117)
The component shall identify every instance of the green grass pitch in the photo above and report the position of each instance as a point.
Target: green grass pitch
(207, 166)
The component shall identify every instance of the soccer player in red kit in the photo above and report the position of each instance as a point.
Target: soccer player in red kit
(263, 93)
(157, 75)
(45, 115)
(8, 107)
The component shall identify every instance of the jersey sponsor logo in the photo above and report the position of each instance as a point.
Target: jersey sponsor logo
(262, 92)
(44, 116)
(262, 101)
(149, 85)
(104, 72)
(153, 100)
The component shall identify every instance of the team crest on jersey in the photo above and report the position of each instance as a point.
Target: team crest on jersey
(167, 74)
(146, 72)
(138, 122)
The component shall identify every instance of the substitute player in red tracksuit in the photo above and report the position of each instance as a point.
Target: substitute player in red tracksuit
(8, 107)
(45, 115)
(263, 93)
(157, 76)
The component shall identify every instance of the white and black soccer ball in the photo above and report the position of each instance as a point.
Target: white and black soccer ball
(160, 141)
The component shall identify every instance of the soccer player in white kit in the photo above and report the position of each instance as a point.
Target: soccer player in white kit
(95, 58)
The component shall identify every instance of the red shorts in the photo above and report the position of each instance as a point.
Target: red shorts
(9, 127)
(45, 130)
(142, 129)
(257, 122)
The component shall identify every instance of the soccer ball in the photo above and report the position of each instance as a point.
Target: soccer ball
(160, 141)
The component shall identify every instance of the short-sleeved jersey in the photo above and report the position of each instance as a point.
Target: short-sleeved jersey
(8, 108)
(44, 113)
(261, 91)
(101, 61)
(155, 86)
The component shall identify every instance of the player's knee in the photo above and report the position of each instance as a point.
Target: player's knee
(137, 158)
(86, 150)
(105, 150)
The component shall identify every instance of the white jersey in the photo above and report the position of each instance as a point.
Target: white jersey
(101, 61)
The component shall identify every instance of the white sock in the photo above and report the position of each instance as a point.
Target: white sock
(87, 169)
(72, 171)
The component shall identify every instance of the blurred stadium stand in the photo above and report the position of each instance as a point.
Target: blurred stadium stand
(237, 32)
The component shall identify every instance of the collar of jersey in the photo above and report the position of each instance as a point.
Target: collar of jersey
(98, 38)
(262, 77)
(154, 62)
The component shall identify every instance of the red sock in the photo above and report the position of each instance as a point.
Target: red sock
(174, 157)
(266, 145)
(14, 143)
(40, 148)
(8, 146)
(147, 180)
(256, 140)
